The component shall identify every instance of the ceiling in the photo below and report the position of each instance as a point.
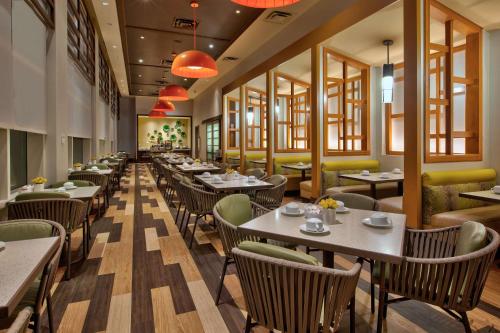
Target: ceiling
(150, 38)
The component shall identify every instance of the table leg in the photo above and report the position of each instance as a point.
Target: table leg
(303, 175)
(328, 259)
(381, 298)
(373, 190)
(400, 188)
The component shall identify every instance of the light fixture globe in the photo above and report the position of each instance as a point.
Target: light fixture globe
(164, 106)
(174, 93)
(157, 114)
(194, 64)
(265, 3)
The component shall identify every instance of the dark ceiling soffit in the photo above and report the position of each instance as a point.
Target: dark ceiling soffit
(343, 20)
(120, 7)
(177, 32)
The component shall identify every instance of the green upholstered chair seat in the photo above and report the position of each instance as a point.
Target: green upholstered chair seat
(41, 195)
(77, 183)
(472, 238)
(235, 209)
(100, 166)
(24, 229)
(278, 252)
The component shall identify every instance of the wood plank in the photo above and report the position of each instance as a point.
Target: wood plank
(152, 243)
(74, 317)
(120, 313)
(210, 316)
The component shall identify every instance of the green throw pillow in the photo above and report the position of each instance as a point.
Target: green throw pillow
(471, 239)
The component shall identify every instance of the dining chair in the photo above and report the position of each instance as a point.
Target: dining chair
(184, 192)
(201, 204)
(169, 188)
(354, 201)
(31, 305)
(67, 212)
(98, 180)
(271, 198)
(291, 291)
(158, 170)
(258, 173)
(444, 267)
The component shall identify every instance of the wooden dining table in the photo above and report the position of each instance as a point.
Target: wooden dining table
(240, 184)
(347, 236)
(20, 263)
(375, 178)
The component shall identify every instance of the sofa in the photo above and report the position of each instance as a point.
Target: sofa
(331, 183)
(442, 206)
(252, 156)
(232, 154)
(294, 176)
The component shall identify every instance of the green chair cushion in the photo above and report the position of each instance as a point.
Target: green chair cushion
(77, 183)
(235, 209)
(100, 166)
(450, 177)
(472, 238)
(23, 230)
(41, 195)
(278, 252)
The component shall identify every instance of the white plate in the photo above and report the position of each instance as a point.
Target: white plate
(369, 223)
(2, 246)
(346, 210)
(384, 177)
(70, 188)
(284, 212)
(325, 230)
(217, 182)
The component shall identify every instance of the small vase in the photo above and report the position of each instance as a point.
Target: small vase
(38, 187)
(230, 176)
(329, 216)
(78, 168)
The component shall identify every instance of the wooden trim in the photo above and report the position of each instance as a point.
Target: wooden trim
(46, 15)
(448, 88)
(227, 113)
(315, 135)
(269, 123)
(243, 132)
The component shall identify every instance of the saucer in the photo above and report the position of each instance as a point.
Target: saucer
(369, 223)
(384, 177)
(325, 230)
(217, 181)
(365, 174)
(284, 212)
(69, 188)
(344, 211)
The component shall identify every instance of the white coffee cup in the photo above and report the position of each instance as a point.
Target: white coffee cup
(292, 208)
(185, 164)
(217, 179)
(379, 218)
(314, 224)
(341, 206)
(94, 168)
(68, 185)
(105, 162)
(300, 163)
(496, 189)
(384, 175)
(365, 173)
(206, 174)
(396, 170)
(204, 163)
(251, 179)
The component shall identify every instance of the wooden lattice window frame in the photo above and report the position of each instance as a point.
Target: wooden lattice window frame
(390, 116)
(104, 85)
(81, 39)
(44, 9)
(233, 123)
(292, 127)
(472, 135)
(339, 119)
(259, 102)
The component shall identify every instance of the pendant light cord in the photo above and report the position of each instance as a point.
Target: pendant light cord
(387, 53)
(194, 26)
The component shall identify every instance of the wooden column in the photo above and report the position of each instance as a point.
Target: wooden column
(269, 121)
(413, 106)
(243, 130)
(316, 102)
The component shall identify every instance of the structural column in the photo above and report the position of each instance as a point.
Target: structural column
(243, 130)
(414, 109)
(316, 106)
(269, 121)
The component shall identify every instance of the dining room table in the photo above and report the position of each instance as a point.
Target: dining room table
(238, 184)
(21, 262)
(193, 169)
(487, 196)
(348, 235)
(260, 163)
(375, 178)
(303, 168)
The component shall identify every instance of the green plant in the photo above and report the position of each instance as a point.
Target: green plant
(183, 134)
(178, 124)
(166, 128)
(173, 138)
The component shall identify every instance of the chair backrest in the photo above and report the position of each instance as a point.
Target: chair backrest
(67, 212)
(25, 229)
(94, 177)
(271, 198)
(290, 296)
(352, 200)
(204, 201)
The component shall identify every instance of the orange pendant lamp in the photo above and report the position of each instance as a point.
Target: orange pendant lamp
(265, 3)
(164, 106)
(194, 63)
(174, 93)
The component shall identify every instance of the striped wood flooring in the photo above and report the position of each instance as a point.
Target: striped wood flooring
(141, 277)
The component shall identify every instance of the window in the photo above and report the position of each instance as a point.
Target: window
(453, 86)
(103, 78)
(18, 159)
(394, 115)
(233, 122)
(77, 150)
(81, 38)
(346, 112)
(114, 96)
(292, 114)
(213, 139)
(256, 119)
(44, 9)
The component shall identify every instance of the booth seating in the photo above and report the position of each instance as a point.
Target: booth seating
(294, 176)
(331, 183)
(232, 154)
(252, 157)
(442, 206)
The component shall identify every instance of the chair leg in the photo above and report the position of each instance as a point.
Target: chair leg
(248, 325)
(182, 219)
(36, 322)
(372, 288)
(465, 322)
(194, 229)
(186, 224)
(221, 282)
(49, 313)
(352, 314)
(68, 258)
(386, 299)
(178, 211)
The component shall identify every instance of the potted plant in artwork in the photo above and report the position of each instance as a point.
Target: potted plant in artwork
(329, 210)
(38, 183)
(77, 166)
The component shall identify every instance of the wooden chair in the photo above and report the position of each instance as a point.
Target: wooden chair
(433, 273)
(67, 212)
(98, 180)
(271, 198)
(292, 296)
(30, 307)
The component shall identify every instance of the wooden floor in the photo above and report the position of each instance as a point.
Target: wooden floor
(141, 277)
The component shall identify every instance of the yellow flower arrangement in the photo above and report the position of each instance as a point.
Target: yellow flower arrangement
(328, 203)
(229, 171)
(197, 160)
(77, 165)
(39, 180)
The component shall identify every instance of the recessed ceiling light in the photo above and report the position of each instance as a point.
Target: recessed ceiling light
(141, 61)
(211, 46)
(238, 11)
(185, 79)
(140, 90)
(114, 46)
(140, 75)
(121, 80)
(142, 37)
(105, 3)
